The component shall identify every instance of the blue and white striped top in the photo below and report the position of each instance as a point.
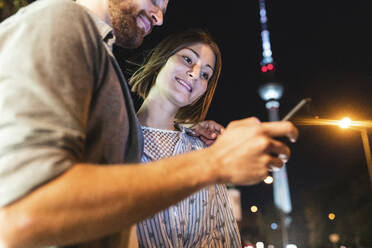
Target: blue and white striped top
(204, 219)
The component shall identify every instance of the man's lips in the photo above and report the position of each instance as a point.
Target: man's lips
(145, 23)
(185, 84)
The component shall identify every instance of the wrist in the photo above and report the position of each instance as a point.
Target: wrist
(210, 167)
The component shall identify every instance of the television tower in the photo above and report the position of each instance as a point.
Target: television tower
(271, 91)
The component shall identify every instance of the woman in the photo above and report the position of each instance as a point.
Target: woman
(177, 84)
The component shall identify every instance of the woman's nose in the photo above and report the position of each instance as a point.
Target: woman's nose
(194, 72)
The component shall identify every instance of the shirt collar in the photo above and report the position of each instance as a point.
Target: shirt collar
(106, 31)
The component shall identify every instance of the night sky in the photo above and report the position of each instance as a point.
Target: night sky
(322, 50)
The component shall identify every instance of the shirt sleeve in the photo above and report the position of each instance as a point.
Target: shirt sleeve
(49, 59)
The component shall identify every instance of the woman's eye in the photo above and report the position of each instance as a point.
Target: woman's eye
(187, 59)
(205, 76)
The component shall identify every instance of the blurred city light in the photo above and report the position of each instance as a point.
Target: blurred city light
(274, 226)
(334, 238)
(271, 91)
(291, 246)
(254, 209)
(272, 104)
(269, 180)
(331, 216)
(260, 245)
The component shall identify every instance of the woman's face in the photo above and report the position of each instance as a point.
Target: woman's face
(184, 77)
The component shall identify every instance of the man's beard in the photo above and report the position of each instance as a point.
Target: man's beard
(124, 23)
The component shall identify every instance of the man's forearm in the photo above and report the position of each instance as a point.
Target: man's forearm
(90, 201)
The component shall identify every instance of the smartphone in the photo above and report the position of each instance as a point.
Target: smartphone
(296, 108)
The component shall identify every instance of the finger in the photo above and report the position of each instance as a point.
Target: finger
(279, 149)
(215, 126)
(207, 132)
(204, 132)
(206, 141)
(246, 122)
(281, 128)
(219, 129)
(201, 127)
(205, 124)
(209, 142)
(194, 133)
(275, 164)
(214, 135)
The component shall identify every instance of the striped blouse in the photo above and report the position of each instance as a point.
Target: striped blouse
(204, 219)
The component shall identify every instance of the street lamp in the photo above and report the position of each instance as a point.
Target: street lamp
(345, 122)
(348, 123)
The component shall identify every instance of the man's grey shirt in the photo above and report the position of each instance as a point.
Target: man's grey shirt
(61, 97)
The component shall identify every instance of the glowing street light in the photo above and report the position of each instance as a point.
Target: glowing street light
(345, 122)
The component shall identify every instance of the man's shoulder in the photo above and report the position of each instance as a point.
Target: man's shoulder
(56, 9)
(48, 18)
(52, 5)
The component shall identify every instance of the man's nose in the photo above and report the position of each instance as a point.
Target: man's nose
(157, 16)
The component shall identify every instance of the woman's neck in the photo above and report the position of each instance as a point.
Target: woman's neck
(157, 113)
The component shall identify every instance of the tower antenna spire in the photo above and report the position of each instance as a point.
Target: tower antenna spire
(271, 91)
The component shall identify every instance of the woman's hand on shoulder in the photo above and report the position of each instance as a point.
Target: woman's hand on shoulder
(208, 131)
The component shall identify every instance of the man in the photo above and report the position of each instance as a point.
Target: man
(68, 126)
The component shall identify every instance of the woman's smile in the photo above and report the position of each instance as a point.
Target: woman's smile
(185, 84)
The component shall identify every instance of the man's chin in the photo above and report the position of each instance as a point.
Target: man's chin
(129, 43)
